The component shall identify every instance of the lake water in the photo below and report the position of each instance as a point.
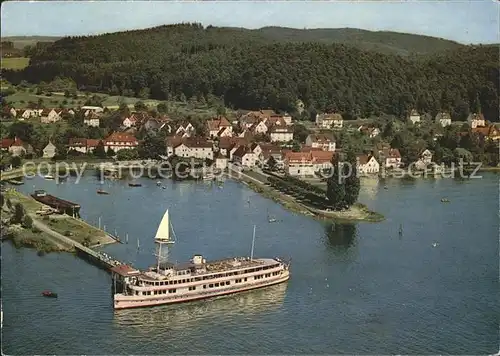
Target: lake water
(355, 288)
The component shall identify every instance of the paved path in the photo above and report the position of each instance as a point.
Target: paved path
(59, 239)
(235, 173)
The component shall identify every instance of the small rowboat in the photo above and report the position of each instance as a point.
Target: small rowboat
(100, 191)
(49, 294)
(135, 185)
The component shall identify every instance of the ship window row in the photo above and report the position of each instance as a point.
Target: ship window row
(156, 292)
(220, 275)
(267, 275)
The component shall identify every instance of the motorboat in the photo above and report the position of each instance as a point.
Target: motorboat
(49, 294)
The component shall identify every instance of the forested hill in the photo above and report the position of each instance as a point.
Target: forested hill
(251, 70)
(382, 41)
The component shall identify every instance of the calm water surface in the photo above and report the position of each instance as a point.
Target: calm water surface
(357, 288)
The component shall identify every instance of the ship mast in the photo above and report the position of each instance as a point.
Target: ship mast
(162, 239)
(253, 243)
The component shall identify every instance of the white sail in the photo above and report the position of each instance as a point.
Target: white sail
(163, 232)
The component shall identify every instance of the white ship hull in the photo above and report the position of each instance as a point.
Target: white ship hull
(122, 301)
(183, 294)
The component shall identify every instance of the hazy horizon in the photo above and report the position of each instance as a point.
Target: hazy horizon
(473, 22)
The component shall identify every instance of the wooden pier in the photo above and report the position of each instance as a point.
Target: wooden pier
(98, 259)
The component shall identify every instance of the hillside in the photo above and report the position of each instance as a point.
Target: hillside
(382, 41)
(274, 67)
(22, 41)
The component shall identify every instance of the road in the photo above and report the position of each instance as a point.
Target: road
(254, 177)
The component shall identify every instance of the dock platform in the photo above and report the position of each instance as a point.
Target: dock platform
(61, 205)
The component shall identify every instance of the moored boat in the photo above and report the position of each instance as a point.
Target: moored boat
(48, 177)
(49, 294)
(135, 185)
(168, 283)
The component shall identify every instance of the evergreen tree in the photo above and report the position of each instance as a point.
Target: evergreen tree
(99, 150)
(335, 190)
(352, 184)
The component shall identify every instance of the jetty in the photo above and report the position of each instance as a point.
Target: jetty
(61, 205)
(97, 258)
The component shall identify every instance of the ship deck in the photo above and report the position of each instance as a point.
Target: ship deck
(223, 265)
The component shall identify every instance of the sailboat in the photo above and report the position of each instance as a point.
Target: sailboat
(168, 283)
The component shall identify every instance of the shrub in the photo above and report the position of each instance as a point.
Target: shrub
(27, 222)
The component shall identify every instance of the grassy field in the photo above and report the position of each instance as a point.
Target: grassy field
(21, 99)
(15, 63)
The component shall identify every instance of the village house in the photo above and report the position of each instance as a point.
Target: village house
(391, 157)
(268, 150)
(275, 120)
(195, 148)
(281, 134)
(443, 119)
(244, 156)
(298, 164)
(157, 123)
(307, 163)
(29, 113)
(259, 128)
(91, 120)
(370, 131)
(10, 111)
(414, 116)
(490, 132)
(135, 119)
(49, 151)
(476, 120)
(225, 132)
(16, 147)
(329, 121)
(218, 125)
(87, 110)
(221, 161)
(49, 116)
(324, 141)
(82, 145)
(367, 164)
(248, 120)
(288, 119)
(424, 160)
(119, 141)
(185, 129)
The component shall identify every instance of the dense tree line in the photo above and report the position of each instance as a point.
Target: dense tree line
(250, 71)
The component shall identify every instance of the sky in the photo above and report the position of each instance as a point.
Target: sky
(472, 21)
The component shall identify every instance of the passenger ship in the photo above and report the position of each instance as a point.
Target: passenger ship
(167, 283)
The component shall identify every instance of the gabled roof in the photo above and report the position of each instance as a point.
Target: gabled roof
(281, 129)
(330, 116)
(197, 142)
(392, 153)
(489, 131)
(475, 116)
(242, 151)
(218, 123)
(443, 116)
(321, 156)
(120, 137)
(321, 138)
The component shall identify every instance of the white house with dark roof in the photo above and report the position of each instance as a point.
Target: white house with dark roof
(324, 141)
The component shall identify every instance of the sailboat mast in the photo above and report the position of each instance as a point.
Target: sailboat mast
(253, 244)
(158, 262)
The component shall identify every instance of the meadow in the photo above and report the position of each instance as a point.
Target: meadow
(16, 63)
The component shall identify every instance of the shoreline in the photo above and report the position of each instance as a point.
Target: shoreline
(357, 213)
(55, 233)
